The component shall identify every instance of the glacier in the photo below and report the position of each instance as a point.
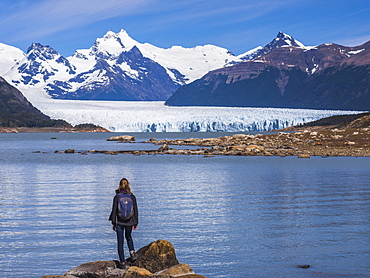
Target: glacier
(154, 116)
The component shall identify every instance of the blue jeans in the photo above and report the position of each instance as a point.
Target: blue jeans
(124, 231)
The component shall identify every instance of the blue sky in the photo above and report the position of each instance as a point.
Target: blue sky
(238, 25)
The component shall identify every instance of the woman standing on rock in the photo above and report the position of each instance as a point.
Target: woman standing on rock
(124, 218)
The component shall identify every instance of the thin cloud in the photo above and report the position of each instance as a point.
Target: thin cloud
(206, 15)
(38, 19)
(354, 41)
(238, 11)
(48, 17)
(186, 22)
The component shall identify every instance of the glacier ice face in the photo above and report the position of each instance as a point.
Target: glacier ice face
(143, 116)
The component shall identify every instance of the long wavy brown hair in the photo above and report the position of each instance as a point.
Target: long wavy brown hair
(124, 184)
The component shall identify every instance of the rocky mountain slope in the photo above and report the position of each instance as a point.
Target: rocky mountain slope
(16, 111)
(328, 76)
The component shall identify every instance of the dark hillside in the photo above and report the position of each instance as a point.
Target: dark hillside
(17, 111)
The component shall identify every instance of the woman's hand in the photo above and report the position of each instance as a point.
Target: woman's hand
(114, 227)
(135, 227)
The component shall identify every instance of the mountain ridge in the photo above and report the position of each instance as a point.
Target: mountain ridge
(284, 73)
(89, 72)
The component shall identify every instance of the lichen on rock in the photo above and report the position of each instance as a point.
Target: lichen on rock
(157, 256)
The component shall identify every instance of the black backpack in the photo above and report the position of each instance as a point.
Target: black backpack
(125, 206)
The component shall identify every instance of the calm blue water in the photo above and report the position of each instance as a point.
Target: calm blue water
(226, 216)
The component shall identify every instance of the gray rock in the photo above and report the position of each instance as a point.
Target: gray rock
(96, 269)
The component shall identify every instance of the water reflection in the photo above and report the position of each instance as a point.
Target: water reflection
(223, 214)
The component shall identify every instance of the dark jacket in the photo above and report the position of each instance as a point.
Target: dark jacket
(133, 221)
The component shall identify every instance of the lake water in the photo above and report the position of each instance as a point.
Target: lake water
(226, 216)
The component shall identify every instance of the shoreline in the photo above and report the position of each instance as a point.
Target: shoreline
(301, 141)
(304, 144)
(50, 129)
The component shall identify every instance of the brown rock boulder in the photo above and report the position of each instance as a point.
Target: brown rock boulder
(137, 272)
(157, 256)
(178, 270)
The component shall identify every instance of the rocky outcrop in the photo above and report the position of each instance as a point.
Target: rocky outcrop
(156, 260)
(122, 138)
(349, 121)
(362, 122)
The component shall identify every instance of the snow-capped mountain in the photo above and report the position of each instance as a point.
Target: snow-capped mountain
(117, 67)
(281, 40)
(40, 65)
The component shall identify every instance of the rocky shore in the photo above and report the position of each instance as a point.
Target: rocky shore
(335, 142)
(156, 260)
(304, 144)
